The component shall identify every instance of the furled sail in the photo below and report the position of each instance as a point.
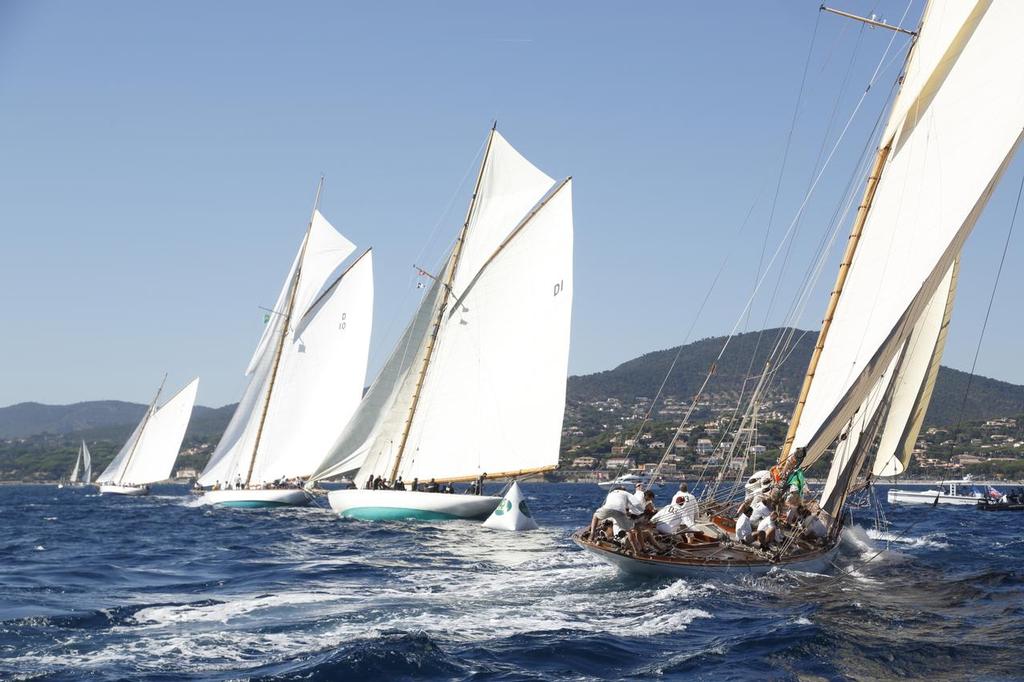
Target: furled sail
(915, 381)
(314, 379)
(477, 382)
(955, 125)
(149, 454)
(86, 463)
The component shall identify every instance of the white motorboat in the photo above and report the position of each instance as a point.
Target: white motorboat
(391, 505)
(254, 497)
(629, 481)
(963, 491)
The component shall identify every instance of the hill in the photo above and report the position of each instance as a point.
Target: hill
(640, 377)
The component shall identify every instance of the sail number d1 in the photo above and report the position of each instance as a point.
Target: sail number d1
(559, 285)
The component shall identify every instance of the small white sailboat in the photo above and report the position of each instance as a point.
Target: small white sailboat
(83, 462)
(953, 128)
(962, 492)
(150, 452)
(476, 384)
(306, 377)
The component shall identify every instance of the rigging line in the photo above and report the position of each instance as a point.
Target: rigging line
(988, 311)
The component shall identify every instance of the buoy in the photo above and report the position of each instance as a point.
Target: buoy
(512, 512)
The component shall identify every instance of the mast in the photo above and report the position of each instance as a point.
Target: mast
(284, 332)
(456, 253)
(145, 420)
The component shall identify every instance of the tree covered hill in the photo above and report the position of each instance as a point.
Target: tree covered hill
(641, 377)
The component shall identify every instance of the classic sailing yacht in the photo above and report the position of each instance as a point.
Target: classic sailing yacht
(476, 385)
(83, 462)
(305, 378)
(953, 128)
(149, 454)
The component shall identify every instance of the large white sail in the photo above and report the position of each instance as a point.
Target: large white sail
(317, 381)
(477, 383)
(954, 127)
(112, 473)
(86, 463)
(371, 432)
(915, 381)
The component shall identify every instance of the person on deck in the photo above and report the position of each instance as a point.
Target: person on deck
(768, 532)
(690, 509)
(814, 528)
(399, 485)
(432, 486)
(415, 484)
(760, 510)
(670, 519)
(637, 498)
(618, 508)
(796, 482)
(744, 529)
(480, 483)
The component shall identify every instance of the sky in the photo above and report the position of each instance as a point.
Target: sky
(158, 163)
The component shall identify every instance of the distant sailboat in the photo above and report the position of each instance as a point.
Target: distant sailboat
(84, 462)
(953, 129)
(476, 385)
(305, 378)
(150, 452)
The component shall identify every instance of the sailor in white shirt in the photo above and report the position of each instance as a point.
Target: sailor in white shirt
(637, 498)
(814, 527)
(768, 532)
(760, 510)
(670, 517)
(690, 508)
(744, 529)
(618, 505)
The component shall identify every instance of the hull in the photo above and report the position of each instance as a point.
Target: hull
(257, 499)
(1001, 506)
(391, 505)
(132, 490)
(709, 567)
(629, 483)
(897, 496)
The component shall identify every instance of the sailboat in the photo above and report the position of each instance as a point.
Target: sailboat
(476, 385)
(952, 130)
(83, 462)
(150, 452)
(306, 377)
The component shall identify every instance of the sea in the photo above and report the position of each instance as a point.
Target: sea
(163, 588)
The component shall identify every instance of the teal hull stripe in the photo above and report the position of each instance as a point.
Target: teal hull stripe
(255, 504)
(395, 514)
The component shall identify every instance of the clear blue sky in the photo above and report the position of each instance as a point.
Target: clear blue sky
(158, 162)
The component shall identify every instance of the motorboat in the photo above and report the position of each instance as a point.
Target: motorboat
(963, 491)
(629, 481)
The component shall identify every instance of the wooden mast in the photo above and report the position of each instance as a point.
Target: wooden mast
(454, 263)
(145, 420)
(837, 290)
(284, 332)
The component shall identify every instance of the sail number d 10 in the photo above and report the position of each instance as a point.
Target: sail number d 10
(559, 285)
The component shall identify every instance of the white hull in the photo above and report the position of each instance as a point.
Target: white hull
(896, 496)
(629, 483)
(133, 490)
(389, 505)
(288, 497)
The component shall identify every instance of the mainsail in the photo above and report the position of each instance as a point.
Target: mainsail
(149, 454)
(953, 128)
(78, 463)
(477, 382)
(307, 374)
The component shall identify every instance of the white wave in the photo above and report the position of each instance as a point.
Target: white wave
(926, 541)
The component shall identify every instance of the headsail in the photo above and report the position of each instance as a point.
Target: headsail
(955, 125)
(78, 462)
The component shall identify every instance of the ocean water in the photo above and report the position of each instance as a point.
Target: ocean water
(159, 588)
